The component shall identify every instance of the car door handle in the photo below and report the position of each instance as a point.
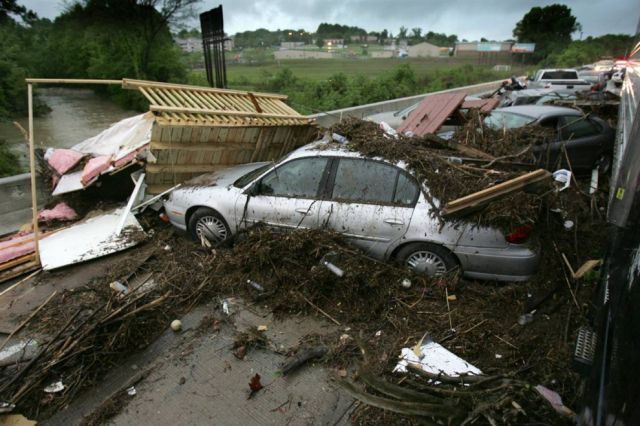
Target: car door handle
(394, 221)
(303, 211)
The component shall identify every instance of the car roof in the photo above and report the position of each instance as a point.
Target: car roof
(327, 148)
(539, 111)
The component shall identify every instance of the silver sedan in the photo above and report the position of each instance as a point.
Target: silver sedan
(377, 205)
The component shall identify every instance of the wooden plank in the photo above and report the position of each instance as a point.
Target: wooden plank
(185, 110)
(72, 81)
(184, 168)
(18, 261)
(484, 105)
(129, 83)
(18, 270)
(255, 103)
(472, 201)
(432, 112)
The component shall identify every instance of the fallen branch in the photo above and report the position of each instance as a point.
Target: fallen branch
(302, 357)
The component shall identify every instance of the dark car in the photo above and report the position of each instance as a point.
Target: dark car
(587, 139)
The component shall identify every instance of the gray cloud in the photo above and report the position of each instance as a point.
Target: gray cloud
(470, 19)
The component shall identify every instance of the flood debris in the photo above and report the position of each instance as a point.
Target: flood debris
(302, 357)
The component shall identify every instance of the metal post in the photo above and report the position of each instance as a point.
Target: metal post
(32, 166)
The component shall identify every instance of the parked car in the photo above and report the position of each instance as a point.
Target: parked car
(535, 97)
(597, 79)
(378, 205)
(558, 79)
(587, 139)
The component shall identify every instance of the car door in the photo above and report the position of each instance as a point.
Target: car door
(288, 196)
(369, 202)
(583, 141)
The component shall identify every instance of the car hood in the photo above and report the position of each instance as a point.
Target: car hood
(222, 177)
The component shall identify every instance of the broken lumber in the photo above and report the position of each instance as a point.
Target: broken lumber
(432, 112)
(471, 202)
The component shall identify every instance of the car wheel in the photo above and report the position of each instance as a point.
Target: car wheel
(426, 258)
(208, 223)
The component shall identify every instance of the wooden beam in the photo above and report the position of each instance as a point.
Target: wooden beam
(18, 261)
(255, 103)
(472, 201)
(178, 146)
(71, 81)
(128, 83)
(186, 110)
(185, 168)
(32, 167)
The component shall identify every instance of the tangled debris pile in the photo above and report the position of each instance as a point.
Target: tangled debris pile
(444, 176)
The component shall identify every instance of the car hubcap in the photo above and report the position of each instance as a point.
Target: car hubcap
(211, 228)
(426, 262)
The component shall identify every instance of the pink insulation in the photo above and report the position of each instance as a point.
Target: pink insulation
(60, 212)
(63, 160)
(94, 167)
(17, 246)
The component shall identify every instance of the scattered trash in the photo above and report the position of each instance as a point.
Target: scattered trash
(333, 268)
(339, 138)
(255, 285)
(378, 333)
(225, 307)
(262, 328)
(131, 391)
(452, 298)
(6, 407)
(61, 212)
(406, 283)
(525, 319)
(54, 387)
(167, 248)
(555, 400)
(118, 287)
(24, 350)
(562, 176)
(498, 356)
(176, 325)
(593, 186)
(435, 359)
(344, 338)
(568, 225)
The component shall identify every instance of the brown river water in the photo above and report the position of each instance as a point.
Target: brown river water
(76, 114)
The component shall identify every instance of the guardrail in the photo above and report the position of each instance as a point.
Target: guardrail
(326, 119)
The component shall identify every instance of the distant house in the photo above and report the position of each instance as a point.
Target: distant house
(334, 43)
(194, 44)
(301, 54)
(291, 44)
(363, 39)
(492, 51)
(423, 50)
(191, 44)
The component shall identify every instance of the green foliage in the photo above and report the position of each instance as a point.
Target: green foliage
(112, 40)
(341, 91)
(591, 49)
(345, 32)
(550, 27)
(9, 164)
(441, 39)
(264, 38)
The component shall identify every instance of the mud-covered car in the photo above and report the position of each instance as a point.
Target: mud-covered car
(377, 205)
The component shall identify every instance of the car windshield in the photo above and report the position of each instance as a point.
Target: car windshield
(559, 75)
(246, 179)
(507, 120)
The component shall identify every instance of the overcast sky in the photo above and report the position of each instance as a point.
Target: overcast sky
(469, 19)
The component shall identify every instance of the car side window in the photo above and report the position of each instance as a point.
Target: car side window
(364, 181)
(406, 191)
(297, 178)
(577, 127)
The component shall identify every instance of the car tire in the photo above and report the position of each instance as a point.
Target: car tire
(209, 223)
(432, 259)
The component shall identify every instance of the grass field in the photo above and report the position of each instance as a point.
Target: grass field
(242, 75)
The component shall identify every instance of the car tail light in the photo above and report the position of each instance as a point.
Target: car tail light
(519, 235)
(595, 87)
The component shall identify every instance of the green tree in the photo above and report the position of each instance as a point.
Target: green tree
(416, 33)
(402, 33)
(550, 27)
